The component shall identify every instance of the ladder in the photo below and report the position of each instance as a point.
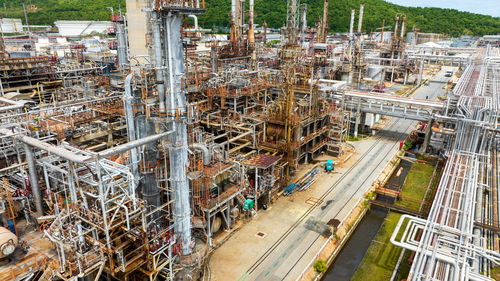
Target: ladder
(47, 275)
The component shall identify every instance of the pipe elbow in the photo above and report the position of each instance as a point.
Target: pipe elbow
(195, 21)
(128, 85)
(204, 150)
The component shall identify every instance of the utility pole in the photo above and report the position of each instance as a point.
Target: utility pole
(382, 32)
(3, 53)
(27, 24)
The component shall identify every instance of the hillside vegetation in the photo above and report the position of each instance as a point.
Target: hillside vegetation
(273, 12)
(49, 11)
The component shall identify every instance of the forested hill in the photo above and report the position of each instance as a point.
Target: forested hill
(437, 20)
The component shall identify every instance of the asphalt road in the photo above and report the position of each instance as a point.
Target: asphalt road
(287, 257)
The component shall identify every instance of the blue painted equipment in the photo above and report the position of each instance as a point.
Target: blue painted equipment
(290, 189)
(302, 184)
(11, 226)
(307, 180)
(329, 165)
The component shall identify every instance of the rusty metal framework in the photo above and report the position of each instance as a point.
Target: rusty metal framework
(133, 170)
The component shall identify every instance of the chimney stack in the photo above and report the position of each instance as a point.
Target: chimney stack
(360, 22)
(251, 37)
(351, 26)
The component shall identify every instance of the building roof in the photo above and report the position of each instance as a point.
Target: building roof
(430, 45)
(262, 161)
(491, 36)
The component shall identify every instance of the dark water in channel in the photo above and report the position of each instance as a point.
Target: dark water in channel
(346, 263)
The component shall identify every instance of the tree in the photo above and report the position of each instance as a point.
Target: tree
(320, 266)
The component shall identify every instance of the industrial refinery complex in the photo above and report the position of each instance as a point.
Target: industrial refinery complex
(149, 148)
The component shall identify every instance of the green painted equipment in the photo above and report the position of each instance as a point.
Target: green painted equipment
(248, 205)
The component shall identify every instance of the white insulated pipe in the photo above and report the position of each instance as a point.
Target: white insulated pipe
(237, 137)
(360, 21)
(195, 18)
(77, 158)
(35, 187)
(170, 68)
(132, 144)
(13, 104)
(403, 27)
(129, 117)
(233, 10)
(204, 150)
(396, 27)
(303, 19)
(59, 151)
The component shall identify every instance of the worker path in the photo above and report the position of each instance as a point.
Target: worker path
(292, 232)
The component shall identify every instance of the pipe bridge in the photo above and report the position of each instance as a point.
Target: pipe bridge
(390, 105)
(445, 60)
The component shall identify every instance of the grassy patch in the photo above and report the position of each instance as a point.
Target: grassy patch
(404, 267)
(12, 34)
(381, 258)
(349, 138)
(424, 158)
(359, 137)
(434, 183)
(402, 91)
(416, 183)
(495, 273)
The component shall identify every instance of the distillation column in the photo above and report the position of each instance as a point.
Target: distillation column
(324, 24)
(303, 20)
(291, 23)
(121, 37)
(167, 19)
(251, 37)
(178, 139)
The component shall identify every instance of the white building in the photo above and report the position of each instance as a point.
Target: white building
(52, 46)
(376, 36)
(421, 37)
(11, 25)
(78, 28)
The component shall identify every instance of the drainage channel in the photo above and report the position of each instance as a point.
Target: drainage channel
(345, 264)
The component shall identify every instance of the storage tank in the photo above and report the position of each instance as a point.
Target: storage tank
(8, 242)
